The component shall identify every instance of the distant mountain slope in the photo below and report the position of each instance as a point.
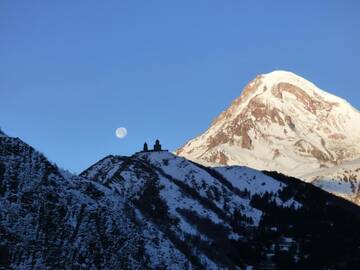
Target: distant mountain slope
(280, 122)
(341, 180)
(156, 210)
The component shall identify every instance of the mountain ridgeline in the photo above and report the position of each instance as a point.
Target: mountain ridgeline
(156, 210)
(282, 122)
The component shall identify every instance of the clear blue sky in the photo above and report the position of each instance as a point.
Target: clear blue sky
(71, 72)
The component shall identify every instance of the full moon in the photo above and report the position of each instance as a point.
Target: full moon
(121, 132)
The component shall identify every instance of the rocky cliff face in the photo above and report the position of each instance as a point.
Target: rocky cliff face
(280, 122)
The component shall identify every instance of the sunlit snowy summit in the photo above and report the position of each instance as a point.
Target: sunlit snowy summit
(282, 122)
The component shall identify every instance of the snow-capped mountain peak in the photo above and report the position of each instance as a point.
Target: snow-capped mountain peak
(271, 79)
(280, 122)
(281, 81)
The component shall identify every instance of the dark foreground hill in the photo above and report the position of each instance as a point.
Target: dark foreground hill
(159, 211)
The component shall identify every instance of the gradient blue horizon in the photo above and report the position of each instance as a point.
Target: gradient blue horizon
(71, 72)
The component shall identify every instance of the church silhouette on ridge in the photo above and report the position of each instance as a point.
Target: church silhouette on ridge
(157, 147)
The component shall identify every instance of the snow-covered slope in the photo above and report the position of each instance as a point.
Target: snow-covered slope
(341, 180)
(280, 122)
(206, 209)
(170, 190)
(155, 210)
(50, 219)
